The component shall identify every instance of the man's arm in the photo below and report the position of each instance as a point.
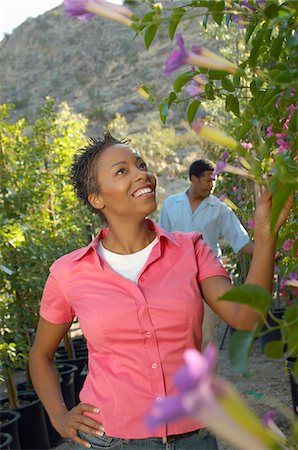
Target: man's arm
(248, 249)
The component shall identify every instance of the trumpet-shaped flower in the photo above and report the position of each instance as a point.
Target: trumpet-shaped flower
(214, 135)
(223, 198)
(86, 9)
(269, 421)
(220, 166)
(211, 400)
(199, 57)
(194, 89)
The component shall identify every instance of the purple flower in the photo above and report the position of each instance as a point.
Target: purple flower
(199, 56)
(211, 400)
(86, 9)
(178, 57)
(221, 165)
(77, 8)
(269, 421)
(193, 88)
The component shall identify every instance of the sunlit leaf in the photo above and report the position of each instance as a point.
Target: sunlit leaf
(253, 295)
(239, 347)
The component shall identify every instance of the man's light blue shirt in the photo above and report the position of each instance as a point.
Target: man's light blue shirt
(213, 218)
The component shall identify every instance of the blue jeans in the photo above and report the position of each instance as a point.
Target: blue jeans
(195, 440)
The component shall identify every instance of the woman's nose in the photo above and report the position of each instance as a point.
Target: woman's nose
(142, 174)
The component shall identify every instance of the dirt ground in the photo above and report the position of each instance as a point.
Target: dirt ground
(266, 389)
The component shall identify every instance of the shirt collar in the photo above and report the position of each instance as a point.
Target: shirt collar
(211, 199)
(160, 233)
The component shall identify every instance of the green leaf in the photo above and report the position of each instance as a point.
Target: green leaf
(183, 79)
(274, 349)
(232, 104)
(271, 11)
(148, 17)
(292, 341)
(149, 35)
(217, 10)
(174, 20)
(291, 314)
(191, 110)
(253, 295)
(250, 29)
(227, 84)
(278, 200)
(209, 91)
(293, 124)
(205, 21)
(165, 106)
(246, 126)
(240, 345)
(276, 46)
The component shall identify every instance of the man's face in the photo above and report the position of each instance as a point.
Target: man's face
(202, 186)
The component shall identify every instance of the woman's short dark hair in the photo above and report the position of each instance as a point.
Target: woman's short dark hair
(197, 168)
(83, 169)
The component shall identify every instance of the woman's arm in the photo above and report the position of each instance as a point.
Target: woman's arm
(261, 268)
(47, 386)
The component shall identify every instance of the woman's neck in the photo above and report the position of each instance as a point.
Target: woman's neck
(128, 238)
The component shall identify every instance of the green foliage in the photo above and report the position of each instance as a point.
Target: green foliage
(249, 294)
(40, 216)
(258, 106)
(240, 345)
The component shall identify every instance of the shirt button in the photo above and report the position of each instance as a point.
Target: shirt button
(148, 334)
(142, 278)
(158, 399)
(154, 366)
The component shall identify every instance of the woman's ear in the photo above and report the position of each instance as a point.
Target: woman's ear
(96, 201)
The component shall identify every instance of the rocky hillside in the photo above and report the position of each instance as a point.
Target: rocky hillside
(95, 66)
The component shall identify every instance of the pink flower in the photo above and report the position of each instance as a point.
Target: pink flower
(269, 132)
(250, 224)
(288, 245)
(247, 146)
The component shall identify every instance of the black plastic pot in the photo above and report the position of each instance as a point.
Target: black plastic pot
(9, 424)
(5, 441)
(293, 385)
(33, 432)
(80, 375)
(67, 375)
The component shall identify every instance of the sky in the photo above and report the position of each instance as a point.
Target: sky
(15, 12)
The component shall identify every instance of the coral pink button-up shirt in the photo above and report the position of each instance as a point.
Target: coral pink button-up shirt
(136, 333)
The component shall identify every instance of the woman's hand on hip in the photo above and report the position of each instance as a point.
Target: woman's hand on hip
(74, 420)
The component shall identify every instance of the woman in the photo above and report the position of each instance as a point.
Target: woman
(137, 292)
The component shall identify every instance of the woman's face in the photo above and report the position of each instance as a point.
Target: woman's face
(126, 187)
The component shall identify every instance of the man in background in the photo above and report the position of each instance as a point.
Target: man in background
(196, 209)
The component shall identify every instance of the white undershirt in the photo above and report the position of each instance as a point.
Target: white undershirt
(129, 266)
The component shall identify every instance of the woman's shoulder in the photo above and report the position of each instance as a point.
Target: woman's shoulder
(69, 259)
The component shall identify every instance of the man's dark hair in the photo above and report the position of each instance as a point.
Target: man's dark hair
(83, 169)
(197, 168)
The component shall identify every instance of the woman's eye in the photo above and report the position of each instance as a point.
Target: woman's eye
(120, 171)
(143, 166)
